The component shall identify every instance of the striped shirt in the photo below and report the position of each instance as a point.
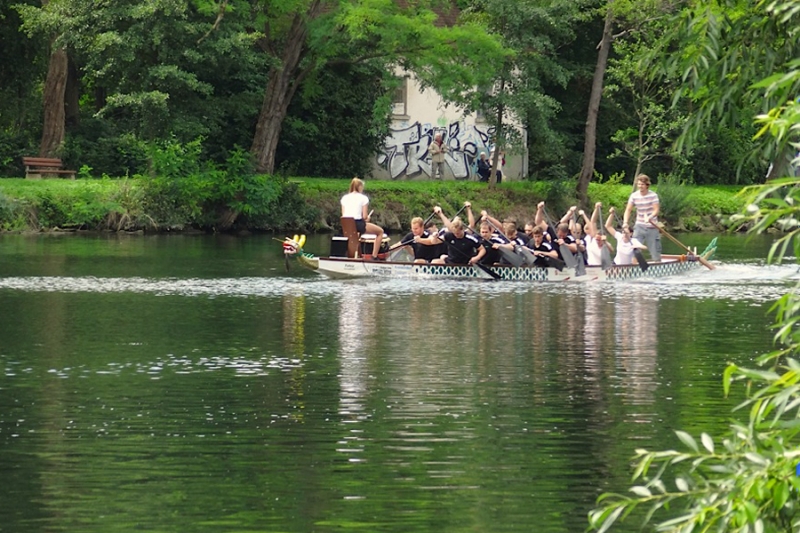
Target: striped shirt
(644, 204)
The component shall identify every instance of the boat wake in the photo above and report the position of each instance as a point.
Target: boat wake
(737, 281)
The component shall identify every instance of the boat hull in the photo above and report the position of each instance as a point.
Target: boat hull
(342, 268)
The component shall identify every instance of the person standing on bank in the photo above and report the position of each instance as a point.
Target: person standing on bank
(647, 208)
(484, 168)
(354, 205)
(438, 150)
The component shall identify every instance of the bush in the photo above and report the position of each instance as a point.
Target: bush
(97, 144)
(673, 198)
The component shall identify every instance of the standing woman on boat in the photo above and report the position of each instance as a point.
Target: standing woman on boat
(354, 205)
(647, 208)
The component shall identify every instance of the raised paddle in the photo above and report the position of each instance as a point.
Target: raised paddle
(580, 261)
(679, 243)
(605, 256)
(566, 253)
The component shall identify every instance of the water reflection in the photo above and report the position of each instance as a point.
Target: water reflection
(210, 402)
(636, 337)
(294, 341)
(357, 324)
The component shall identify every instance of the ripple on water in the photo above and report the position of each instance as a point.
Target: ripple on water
(739, 281)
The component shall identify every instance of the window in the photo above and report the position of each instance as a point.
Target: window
(400, 99)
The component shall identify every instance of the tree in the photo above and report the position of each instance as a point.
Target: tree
(512, 89)
(300, 36)
(633, 15)
(746, 480)
(654, 123)
(725, 47)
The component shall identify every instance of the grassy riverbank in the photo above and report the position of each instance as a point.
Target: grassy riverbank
(264, 203)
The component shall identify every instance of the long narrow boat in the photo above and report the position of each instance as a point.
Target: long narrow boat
(342, 268)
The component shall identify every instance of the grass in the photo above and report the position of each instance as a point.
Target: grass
(119, 204)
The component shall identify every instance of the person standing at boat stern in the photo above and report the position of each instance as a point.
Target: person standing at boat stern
(354, 205)
(647, 207)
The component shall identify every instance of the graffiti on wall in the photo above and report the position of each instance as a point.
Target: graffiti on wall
(405, 152)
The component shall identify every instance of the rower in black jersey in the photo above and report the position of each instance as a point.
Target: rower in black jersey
(462, 248)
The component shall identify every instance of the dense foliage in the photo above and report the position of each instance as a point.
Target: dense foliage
(141, 74)
(745, 480)
(185, 195)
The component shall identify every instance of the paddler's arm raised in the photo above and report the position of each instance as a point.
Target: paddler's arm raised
(490, 219)
(470, 216)
(540, 219)
(567, 218)
(610, 222)
(443, 217)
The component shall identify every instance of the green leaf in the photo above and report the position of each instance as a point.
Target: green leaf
(609, 521)
(688, 440)
(756, 458)
(780, 495)
(708, 442)
(641, 491)
(682, 485)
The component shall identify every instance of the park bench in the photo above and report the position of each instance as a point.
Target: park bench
(42, 167)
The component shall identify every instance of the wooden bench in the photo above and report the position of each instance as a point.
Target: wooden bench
(42, 167)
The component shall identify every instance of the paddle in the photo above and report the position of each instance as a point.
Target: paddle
(566, 253)
(637, 253)
(679, 243)
(527, 256)
(488, 270)
(513, 258)
(605, 256)
(580, 262)
(396, 246)
(406, 243)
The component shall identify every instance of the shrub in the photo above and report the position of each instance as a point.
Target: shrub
(673, 198)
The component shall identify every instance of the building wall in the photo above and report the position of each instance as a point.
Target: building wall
(418, 116)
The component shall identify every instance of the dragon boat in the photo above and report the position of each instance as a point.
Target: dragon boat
(354, 267)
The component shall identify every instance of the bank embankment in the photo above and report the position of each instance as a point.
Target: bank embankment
(266, 203)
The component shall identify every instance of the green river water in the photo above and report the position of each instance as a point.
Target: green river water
(191, 384)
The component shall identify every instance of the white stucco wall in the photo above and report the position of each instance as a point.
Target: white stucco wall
(405, 154)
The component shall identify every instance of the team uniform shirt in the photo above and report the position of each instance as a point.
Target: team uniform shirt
(593, 252)
(645, 205)
(460, 251)
(543, 247)
(428, 252)
(523, 237)
(502, 239)
(625, 249)
(492, 256)
(569, 239)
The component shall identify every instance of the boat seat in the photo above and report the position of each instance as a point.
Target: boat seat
(354, 239)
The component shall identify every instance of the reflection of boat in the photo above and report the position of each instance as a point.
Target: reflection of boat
(343, 267)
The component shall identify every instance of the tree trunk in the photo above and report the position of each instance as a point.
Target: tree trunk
(498, 136)
(590, 138)
(54, 116)
(72, 95)
(281, 86)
